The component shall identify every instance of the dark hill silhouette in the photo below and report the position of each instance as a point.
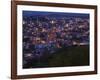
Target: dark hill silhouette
(70, 56)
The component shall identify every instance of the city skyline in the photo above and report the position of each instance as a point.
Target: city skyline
(49, 37)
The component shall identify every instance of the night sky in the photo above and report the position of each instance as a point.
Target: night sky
(54, 14)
